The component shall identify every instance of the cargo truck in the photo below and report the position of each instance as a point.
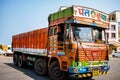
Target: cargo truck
(74, 43)
(9, 51)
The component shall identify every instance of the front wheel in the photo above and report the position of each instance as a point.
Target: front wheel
(55, 72)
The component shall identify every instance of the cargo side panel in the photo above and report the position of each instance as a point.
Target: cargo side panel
(33, 42)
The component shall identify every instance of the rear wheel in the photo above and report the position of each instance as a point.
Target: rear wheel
(55, 72)
(6, 54)
(15, 59)
(113, 56)
(21, 62)
(40, 67)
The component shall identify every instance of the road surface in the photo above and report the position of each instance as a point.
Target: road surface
(10, 72)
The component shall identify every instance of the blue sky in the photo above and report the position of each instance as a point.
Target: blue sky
(18, 16)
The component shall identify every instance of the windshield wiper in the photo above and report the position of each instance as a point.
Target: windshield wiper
(78, 41)
(83, 49)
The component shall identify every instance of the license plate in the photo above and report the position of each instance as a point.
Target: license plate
(95, 72)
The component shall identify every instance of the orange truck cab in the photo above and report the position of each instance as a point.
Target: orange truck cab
(75, 43)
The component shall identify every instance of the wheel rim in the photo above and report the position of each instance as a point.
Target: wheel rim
(57, 72)
(40, 67)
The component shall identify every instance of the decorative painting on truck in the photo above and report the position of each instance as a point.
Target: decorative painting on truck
(90, 16)
(80, 14)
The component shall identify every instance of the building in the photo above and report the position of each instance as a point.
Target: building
(113, 33)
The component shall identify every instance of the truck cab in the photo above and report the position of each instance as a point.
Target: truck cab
(9, 50)
(78, 42)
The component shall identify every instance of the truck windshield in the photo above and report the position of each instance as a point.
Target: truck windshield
(98, 35)
(83, 33)
(88, 34)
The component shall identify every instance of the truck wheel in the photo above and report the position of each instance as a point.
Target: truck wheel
(55, 72)
(113, 56)
(40, 67)
(20, 61)
(6, 54)
(15, 59)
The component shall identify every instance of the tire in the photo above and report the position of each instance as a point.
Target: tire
(55, 73)
(6, 54)
(21, 63)
(15, 59)
(40, 67)
(113, 56)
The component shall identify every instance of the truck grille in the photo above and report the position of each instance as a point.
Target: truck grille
(91, 55)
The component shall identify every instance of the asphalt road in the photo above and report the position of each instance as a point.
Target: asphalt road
(10, 72)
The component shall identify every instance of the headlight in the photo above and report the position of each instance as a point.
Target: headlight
(82, 70)
(105, 67)
(77, 70)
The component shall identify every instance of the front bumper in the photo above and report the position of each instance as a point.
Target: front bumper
(88, 71)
